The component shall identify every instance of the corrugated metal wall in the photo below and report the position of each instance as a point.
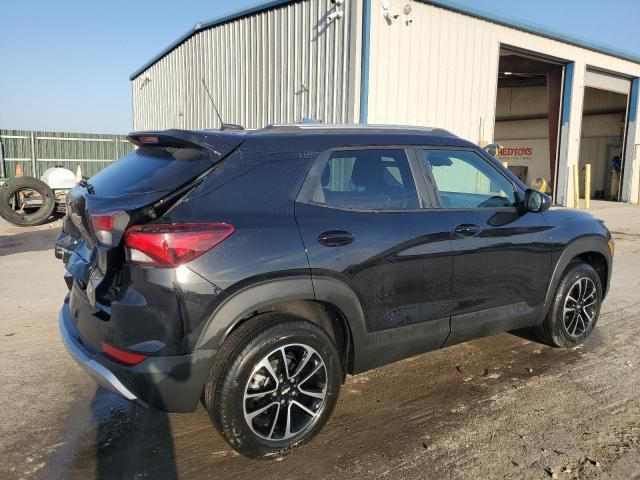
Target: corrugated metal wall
(277, 66)
(431, 66)
(441, 70)
(44, 150)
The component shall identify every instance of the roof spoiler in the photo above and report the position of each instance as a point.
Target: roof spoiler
(217, 143)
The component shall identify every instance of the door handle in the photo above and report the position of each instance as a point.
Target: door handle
(467, 230)
(335, 238)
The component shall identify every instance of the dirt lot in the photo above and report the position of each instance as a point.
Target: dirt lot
(501, 407)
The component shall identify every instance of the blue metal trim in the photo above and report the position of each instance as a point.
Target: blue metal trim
(364, 61)
(256, 8)
(535, 29)
(633, 100)
(567, 91)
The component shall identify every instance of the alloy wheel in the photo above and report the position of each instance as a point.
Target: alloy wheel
(580, 307)
(285, 392)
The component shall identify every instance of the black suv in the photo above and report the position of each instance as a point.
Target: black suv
(254, 270)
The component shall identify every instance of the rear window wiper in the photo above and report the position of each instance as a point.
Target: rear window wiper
(85, 183)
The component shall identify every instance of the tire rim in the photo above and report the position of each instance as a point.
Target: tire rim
(285, 392)
(580, 307)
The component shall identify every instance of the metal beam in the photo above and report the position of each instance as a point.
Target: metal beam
(561, 178)
(554, 94)
(364, 61)
(33, 155)
(3, 173)
(629, 161)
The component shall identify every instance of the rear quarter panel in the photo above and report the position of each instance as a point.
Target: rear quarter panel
(253, 190)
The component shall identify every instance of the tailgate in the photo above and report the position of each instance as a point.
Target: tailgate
(140, 187)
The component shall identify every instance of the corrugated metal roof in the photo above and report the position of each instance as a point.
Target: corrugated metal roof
(245, 12)
(447, 4)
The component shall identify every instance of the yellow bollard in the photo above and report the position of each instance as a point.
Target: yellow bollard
(587, 185)
(576, 187)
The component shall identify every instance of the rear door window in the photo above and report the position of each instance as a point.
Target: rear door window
(150, 169)
(368, 179)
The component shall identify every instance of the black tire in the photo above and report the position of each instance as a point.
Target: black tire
(235, 366)
(22, 219)
(567, 330)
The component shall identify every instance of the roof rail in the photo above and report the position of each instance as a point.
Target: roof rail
(351, 126)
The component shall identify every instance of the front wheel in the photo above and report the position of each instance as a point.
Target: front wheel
(274, 386)
(575, 308)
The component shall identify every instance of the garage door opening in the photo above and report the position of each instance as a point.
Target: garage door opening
(604, 125)
(528, 108)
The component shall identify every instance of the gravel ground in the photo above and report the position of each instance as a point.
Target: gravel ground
(499, 407)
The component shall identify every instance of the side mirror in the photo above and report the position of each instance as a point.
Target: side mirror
(536, 201)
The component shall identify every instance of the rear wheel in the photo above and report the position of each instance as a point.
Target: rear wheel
(575, 309)
(26, 201)
(274, 386)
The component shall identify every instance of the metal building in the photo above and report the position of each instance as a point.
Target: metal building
(552, 101)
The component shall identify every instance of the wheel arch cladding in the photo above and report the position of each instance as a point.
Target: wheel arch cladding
(292, 296)
(599, 263)
(594, 250)
(324, 315)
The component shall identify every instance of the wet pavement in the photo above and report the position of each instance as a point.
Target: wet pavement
(499, 407)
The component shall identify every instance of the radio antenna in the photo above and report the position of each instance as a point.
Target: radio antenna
(204, 84)
(223, 126)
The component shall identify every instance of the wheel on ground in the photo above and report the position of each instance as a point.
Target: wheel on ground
(26, 201)
(575, 308)
(274, 385)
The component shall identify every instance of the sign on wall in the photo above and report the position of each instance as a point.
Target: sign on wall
(532, 155)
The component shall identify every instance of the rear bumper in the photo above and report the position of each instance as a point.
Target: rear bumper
(169, 383)
(102, 375)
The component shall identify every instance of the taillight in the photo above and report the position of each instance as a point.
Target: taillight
(172, 245)
(108, 227)
(128, 358)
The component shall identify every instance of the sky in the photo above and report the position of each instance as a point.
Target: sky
(65, 64)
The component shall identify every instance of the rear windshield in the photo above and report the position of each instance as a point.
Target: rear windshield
(150, 169)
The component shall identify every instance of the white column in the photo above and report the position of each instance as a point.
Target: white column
(631, 176)
(570, 128)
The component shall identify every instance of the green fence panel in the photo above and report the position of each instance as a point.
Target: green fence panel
(37, 151)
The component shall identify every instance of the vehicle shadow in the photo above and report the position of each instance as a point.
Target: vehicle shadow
(527, 333)
(130, 442)
(28, 240)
